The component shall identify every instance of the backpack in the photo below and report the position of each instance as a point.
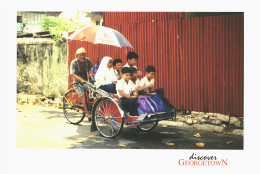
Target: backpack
(93, 71)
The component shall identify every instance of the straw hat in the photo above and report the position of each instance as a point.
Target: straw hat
(81, 50)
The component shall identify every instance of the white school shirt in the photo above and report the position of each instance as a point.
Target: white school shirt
(127, 88)
(127, 65)
(116, 74)
(136, 84)
(144, 81)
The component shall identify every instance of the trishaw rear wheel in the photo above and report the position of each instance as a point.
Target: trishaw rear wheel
(108, 118)
(147, 126)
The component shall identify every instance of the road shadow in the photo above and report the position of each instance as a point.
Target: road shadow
(53, 114)
(159, 138)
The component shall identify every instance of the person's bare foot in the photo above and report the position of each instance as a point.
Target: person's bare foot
(89, 117)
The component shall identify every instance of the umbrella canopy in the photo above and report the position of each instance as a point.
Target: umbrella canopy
(100, 35)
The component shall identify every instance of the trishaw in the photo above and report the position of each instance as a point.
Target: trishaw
(108, 115)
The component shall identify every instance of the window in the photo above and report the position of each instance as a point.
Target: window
(97, 22)
(33, 17)
(19, 19)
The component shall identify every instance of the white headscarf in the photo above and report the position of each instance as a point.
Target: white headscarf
(104, 75)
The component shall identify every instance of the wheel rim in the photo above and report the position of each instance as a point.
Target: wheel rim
(108, 118)
(72, 108)
(148, 126)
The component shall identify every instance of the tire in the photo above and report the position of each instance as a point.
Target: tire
(108, 118)
(72, 107)
(147, 126)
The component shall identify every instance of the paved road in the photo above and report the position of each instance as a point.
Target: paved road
(39, 127)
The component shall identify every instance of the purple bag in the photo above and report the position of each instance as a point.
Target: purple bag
(160, 103)
(146, 105)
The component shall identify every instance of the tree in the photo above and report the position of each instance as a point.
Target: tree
(57, 26)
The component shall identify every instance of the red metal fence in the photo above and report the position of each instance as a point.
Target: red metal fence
(199, 61)
(122, 18)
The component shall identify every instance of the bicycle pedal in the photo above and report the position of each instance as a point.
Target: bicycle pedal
(79, 107)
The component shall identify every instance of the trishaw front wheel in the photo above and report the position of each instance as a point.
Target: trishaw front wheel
(108, 118)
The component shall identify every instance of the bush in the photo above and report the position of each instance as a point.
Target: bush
(57, 26)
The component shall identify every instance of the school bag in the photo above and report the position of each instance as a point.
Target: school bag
(146, 105)
(166, 103)
(93, 71)
(160, 104)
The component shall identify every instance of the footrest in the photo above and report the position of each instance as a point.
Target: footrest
(153, 117)
(159, 115)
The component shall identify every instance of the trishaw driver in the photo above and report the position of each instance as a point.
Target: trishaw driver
(79, 69)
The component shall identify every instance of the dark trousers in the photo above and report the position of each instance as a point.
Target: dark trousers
(130, 105)
(110, 88)
(160, 91)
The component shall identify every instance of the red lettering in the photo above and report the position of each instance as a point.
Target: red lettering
(203, 163)
(199, 163)
(211, 163)
(181, 164)
(223, 161)
(218, 163)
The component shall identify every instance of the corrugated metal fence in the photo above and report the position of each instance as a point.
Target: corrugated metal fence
(122, 18)
(199, 61)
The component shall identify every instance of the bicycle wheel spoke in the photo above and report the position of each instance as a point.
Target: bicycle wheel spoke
(115, 123)
(102, 107)
(112, 130)
(109, 106)
(107, 129)
(101, 111)
(117, 128)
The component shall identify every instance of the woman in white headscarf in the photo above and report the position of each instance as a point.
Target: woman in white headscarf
(105, 76)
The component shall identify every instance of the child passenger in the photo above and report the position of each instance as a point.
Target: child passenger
(146, 85)
(126, 92)
(105, 76)
(117, 65)
(135, 78)
(132, 59)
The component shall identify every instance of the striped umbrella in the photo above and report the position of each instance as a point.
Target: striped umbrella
(100, 35)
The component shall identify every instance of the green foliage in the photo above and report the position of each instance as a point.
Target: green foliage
(57, 26)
